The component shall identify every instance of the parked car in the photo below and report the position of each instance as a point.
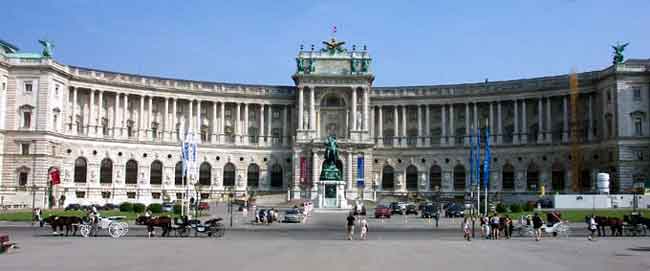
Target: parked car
(203, 206)
(411, 209)
(382, 211)
(292, 216)
(167, 207)
(73, 206)
(428, 211)
(396, 208)
(110, 206)
(455, 210)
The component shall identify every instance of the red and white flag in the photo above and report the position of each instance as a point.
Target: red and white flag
(55, 177)
(334, 29)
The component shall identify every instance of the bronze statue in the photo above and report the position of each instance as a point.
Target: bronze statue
(333, 46)
(48, 47)
(329, 171)
(618, 52)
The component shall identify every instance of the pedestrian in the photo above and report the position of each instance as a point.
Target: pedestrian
(508, 229)
(244, 212)
(537, 225)
(592, 227)
(436, 216)
(364, 229)
(350, 226)
(485, 227)
(466, 230)
(494, 225)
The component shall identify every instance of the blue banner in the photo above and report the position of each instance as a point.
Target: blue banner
(360, 179)
(477, 160)
(488, 157)
(471, 155)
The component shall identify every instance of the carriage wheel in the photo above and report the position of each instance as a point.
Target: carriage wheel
(181, 232)
(84, 230)
(115, 230)
(220, 231)
(125, 228)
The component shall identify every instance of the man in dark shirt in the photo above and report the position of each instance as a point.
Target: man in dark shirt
(537, 225)
(350, 225)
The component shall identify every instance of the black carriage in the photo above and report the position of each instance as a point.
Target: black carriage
(211, 227)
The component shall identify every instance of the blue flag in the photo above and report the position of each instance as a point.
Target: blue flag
(471, 156)
(488, 158)
(477, 160)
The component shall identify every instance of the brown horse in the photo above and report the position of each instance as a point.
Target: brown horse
(163, 222)
(59, 222)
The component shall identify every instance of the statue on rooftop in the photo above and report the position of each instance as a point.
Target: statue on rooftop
(333, 46)
(48, 47)
(618, 52)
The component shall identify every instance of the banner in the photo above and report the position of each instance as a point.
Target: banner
(360, 179)
(488, 157)
(303, 170)
(55, 177)
(471, 156)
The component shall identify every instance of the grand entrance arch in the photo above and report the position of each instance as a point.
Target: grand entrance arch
(332, 116)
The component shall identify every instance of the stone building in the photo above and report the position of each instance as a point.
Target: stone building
(116, 137)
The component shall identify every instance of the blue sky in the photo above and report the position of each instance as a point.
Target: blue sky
(412, 42)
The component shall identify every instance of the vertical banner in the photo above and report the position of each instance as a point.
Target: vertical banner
(303, 169)
(360, 171)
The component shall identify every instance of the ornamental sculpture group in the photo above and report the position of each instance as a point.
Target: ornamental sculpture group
(329, 171)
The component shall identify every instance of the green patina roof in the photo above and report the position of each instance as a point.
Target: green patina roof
(25, 55)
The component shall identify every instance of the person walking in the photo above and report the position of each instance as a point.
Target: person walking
(537, 225)
(436, 216)
(350, 226)
(494, 225)
(363, 235)
(466, 230)
(592, 227)
(508, 229)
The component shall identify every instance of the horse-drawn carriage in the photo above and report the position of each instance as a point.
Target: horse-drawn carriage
(113, 226)
(211, 227)
(561, 229)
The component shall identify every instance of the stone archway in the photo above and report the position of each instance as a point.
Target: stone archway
(332, 115)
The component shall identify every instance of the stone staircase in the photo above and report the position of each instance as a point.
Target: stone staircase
(271, 200)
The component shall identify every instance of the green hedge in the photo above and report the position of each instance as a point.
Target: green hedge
(515, 208)
(529, 207)
(501, 208)
(138, 207)
(155, 208)
(126, 207)
(177, 209)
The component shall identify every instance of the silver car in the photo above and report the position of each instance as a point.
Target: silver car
(292, 216)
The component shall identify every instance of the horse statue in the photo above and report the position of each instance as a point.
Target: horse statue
(618, 52)
(48, 47)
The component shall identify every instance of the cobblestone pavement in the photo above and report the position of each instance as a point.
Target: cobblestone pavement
(319, 245)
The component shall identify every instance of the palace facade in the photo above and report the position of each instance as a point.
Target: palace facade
(116, 137)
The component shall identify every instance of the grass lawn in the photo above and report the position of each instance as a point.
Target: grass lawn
(579, 215)
(27, 215)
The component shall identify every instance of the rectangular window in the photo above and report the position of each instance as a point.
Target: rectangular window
(639, 156)
(275, 114)
(27, 119)
(80, 194)
(205, 195)
(609, 97)
(56, 90)
(4, 86)
(129, 131)
(28, 87)
(22, 179)
(179, 196)
(637, 93)
(228, 114)
(55, 122)
(130, 195)
(638, 127)
(155, 195)
(106, 195)
(24, 148)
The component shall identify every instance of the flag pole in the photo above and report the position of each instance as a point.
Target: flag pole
(477, 170)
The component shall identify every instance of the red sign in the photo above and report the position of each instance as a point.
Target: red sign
(303, 169)
(55, 177)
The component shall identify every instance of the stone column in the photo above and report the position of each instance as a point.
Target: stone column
(236, 123)
(74, 111)
(174, 132)
(549, 128)
(116, 115)
(365, 109)
(150, 117)
(427, 125)
(452, 131)
(350, 169)
(222, 132)
(353, 110)
(524, 125)
(418, 142)
(540, 122)
(476, 118)
(190, 116)
(285, 121)
(269, 140)
(301, 109)
(404, 111)
(380, 127)
(125, 112)
(515, 136)
(565, 120)
(312, 110)
(491, 124)
(199, 121)
(90, 131)
(467, 124)
(262, 135)
(141, 126)
(590, 118)
(443, 122)
(245, 130)
(499, 124)
(100, 113)
(213, 137)
(396, 127)
(165, 120)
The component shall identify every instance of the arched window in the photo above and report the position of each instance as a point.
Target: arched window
(532, 178)
(253, 179)
(557, 181)
(508, 177)
(205, 173)
(80, 169)
(106, 171)
(155, 172)
(459, 178)
(131, 172)
(229, 175)
(388, 178)
(178, 174)
(276, 176)
(435, 178)
(411, 178)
